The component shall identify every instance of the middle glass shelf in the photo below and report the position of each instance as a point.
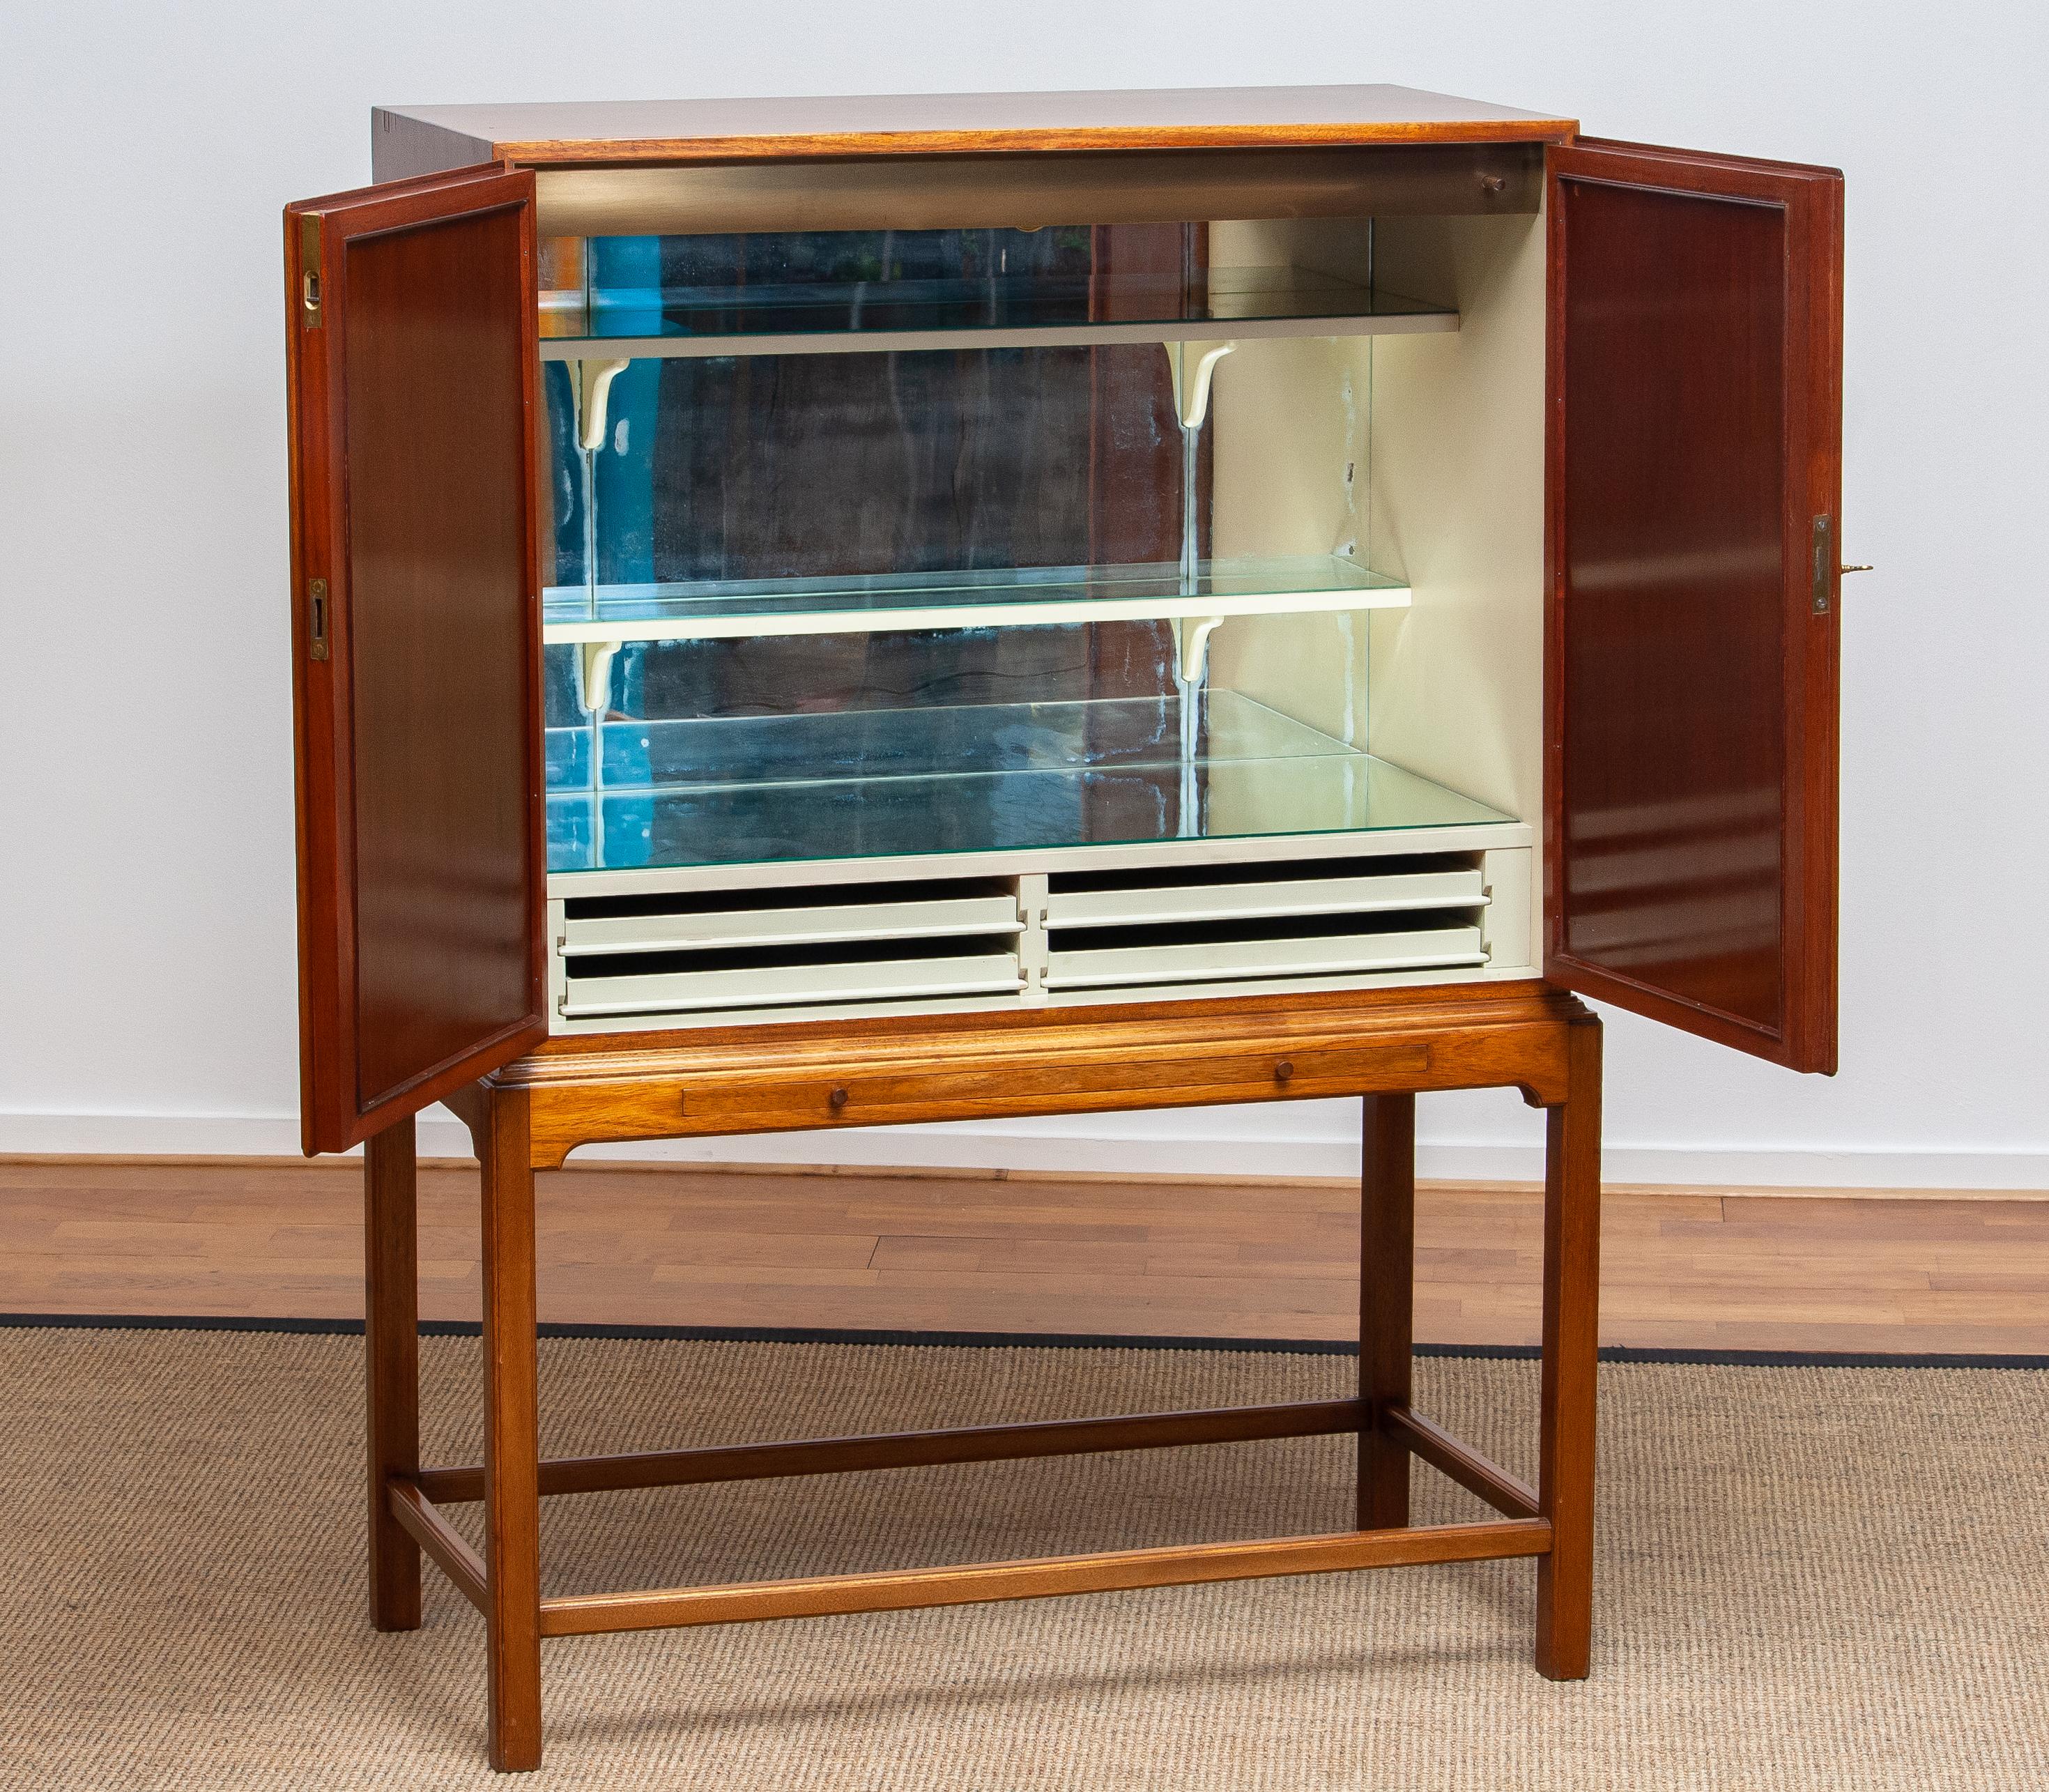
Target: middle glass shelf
(1270, 585)
(1201, 451)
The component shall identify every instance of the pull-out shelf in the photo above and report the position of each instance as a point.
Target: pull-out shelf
(1188, 894)
(793, 979)
(728, 925)
(711, 949)
(1197, 954)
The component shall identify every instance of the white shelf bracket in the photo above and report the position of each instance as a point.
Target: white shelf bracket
(594, 669)
(1191, 382)
(594, 381)
(1191, 648)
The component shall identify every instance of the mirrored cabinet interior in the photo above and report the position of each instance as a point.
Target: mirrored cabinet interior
(790, 571)
(975, 616)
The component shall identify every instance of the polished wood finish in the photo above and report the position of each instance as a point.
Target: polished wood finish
(1572, 1294)
(511, 1438)
(1406, 1431)
(1430, 1443)
(391, 1362)
(1386, 1305)
(1032, 1253)
(584, 1614)
(429, 1531)
(421, 829)
(921, 1067)
(916, 1449)
(1695, 406)
(414, 139)
(794, 1076)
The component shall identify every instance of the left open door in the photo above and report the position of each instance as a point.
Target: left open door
(411, 319)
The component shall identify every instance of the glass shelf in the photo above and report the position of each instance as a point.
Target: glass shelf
(995, 310)
(1001, 777)
(1008, 597)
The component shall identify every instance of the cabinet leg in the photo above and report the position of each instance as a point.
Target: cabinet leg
(1572, 1294)
(1386, 1304)
(391, 1360)
(511, 1438)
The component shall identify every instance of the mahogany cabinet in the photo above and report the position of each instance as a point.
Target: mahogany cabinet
(829, 612)
(798, 561)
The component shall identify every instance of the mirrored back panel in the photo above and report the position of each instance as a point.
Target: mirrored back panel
(865, 544)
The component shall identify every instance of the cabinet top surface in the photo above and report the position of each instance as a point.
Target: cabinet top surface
(575, 131)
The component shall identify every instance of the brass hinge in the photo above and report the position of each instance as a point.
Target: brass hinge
(310, 272)
(1824, 565)
(317, 618)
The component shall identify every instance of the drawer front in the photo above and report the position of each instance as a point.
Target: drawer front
(1148, 960)
(1460, 886)
(771, 985)
(713, 929)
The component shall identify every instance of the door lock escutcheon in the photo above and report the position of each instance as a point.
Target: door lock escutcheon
(1824, 565)
(317, 618)
(309, 272)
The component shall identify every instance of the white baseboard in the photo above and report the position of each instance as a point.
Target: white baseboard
(1137, 1145)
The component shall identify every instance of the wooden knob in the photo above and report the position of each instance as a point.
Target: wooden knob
(836, 1099)
(1283, 1070)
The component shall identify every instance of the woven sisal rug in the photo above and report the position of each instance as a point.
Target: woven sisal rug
(1822, 1578)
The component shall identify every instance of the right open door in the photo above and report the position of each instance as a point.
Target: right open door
(1695, 389)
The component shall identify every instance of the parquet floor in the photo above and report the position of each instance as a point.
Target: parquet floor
(690, 1247)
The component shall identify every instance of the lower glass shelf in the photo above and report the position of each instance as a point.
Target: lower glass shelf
(994, 778)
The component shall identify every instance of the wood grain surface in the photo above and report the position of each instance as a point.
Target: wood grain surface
(584, 1614)
(511, 1442)
(679, 1245)
(411, 138)
(809, 1075)
(421, 826)
(1694, 476)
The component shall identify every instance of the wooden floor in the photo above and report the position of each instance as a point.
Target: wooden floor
(674, 1246)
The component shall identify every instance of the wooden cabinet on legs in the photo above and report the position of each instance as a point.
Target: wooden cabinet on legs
(857, 612)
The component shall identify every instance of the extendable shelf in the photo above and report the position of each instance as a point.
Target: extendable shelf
(1009, 598)
(906, 316)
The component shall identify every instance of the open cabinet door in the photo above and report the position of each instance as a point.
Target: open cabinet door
(412, 317)
(1694, 445)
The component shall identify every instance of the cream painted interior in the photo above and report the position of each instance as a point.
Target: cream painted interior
(1456, 682)
(1425, 456)
(1290, 421)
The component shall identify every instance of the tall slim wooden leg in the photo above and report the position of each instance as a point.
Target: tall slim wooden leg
(511, 1438)
(1571, 1295)
(392, 1357)
(1386, 1304)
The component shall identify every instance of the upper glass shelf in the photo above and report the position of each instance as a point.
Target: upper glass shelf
(1006, 597)
(991, 309)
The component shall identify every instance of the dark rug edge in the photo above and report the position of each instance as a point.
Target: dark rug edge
(1020, 1340)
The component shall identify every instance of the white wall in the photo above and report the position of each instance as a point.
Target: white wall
(145, 845)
